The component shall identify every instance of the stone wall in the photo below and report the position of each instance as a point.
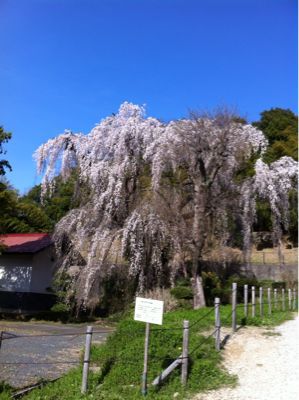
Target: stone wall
(287, 273)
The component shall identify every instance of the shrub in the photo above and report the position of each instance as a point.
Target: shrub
(279, 285)
(60, 311)
(182, 292)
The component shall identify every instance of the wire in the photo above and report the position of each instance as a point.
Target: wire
(40, 363)
(203, 341)
(201, 318)
(13, 336)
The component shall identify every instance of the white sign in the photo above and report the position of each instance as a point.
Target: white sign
(148, 310)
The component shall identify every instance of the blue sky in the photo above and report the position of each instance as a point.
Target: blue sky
(66, 64)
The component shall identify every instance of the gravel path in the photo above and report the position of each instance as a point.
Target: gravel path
(50, 350)
(266, 362)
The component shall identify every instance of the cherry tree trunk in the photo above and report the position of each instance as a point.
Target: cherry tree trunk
(199, 238)
(198, 293)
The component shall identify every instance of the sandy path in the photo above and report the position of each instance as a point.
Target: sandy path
(266, 362)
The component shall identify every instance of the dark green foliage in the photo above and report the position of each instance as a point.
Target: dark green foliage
(5, 390)
(263, 217)
(212, 287)
(182, 292)
(293, 219)
(17, 216)
(246, 169)
(280, 126)
(279, 285)
(4, 138)
(60, 311)
(66, 196)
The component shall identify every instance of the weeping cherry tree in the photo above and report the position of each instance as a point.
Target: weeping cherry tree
(159, 196)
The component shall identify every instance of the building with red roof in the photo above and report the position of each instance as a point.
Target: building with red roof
(26, 272)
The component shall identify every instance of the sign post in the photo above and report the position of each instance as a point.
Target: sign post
(144, 375)
(151, 312)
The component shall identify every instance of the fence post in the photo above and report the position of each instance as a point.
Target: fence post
(217, 323)
(264, 258)
(269, 301)
(146, 345)
(275, 299)
(261, 302)
(234, 306)
(290, 299)
(246, 301)
(294, 299)
(283, 298)
(86, 359)
(253, 300)
(185, 351)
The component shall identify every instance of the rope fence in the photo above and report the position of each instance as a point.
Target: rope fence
(257, 303)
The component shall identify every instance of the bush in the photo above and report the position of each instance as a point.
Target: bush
(60, 311)
(212, 287)
(279, 285)
(182, 292)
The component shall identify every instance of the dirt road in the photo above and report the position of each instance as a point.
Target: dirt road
(40, 350)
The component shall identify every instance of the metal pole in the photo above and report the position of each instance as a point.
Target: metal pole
(246, 301)
(294, 299)
(261, 302)
(146, 345)
(184, 371)
(86, 359)
(217, 323)
(269, 301)
(275, 299)
(253, 300)
(234, 306)
(290, 299)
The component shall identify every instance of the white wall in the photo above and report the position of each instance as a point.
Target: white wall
(26, 272)
(42, 271)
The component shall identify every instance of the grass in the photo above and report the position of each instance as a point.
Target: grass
(121, 358)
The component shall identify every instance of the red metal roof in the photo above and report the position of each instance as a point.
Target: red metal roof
(25, 242)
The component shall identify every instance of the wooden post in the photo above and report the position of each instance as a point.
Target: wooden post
(275, 299)
(294, 299)
(261, 302)
(246, 301)
(146, 344)
(217, 323)
(234, 306)
(269, 301)
(264, 258)
(283, 299)
(253, 300)
(86, 359)
(290, 299)
(185, 351)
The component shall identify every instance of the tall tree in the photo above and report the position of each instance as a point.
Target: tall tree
(4, 138)
(135, 167)
(17, 216)
(280, 126)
